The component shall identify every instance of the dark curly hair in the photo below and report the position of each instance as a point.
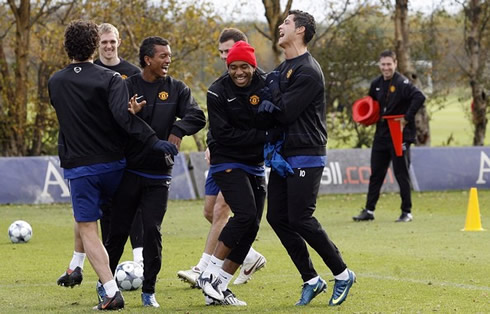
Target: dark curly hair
(302, 18)
(81, 40)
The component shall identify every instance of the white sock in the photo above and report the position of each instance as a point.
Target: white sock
(251, 256)
(313, 280)
(214, 266)
(343, 275)
(77, 260)
(138, 254)
(111, 288)
(225, 279)
(203, 262)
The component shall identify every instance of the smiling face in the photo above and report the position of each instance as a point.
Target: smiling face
(157, 66)
(287, 31)
(241, 73)
(108, 46)
(387, 66)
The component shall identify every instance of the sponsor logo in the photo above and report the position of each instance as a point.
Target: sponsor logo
(163, 95)
(230, 99)
(484, 167)
(254, 100)
(77, 69)
(352, 175)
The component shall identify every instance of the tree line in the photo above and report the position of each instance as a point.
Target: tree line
(440, 51)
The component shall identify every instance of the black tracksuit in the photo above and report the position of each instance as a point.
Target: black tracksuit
(395, 96)
(238, 137)
(91, 104)
(292, 200)
(147, 177)
(125, 69)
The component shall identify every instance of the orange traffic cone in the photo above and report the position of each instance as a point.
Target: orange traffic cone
(473, 220)
(394, 123)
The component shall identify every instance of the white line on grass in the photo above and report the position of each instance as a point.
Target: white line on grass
(427, 282)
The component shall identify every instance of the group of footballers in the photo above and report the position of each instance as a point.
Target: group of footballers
(120, 128)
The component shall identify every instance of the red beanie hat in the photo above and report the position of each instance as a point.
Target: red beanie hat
(242, 51)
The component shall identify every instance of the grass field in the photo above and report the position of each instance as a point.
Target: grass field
(453, 122)
(428, 265)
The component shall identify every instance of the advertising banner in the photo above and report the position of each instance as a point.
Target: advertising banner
(34, 180)
(450, 168)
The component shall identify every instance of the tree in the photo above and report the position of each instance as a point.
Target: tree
(406, 67)
(15, 88)
(477, 14)
(275, 16)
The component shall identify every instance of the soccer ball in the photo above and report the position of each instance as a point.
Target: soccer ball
(20, 231)
(129, 276)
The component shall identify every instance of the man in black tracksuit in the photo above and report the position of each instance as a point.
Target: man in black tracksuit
(298, 89)
(147, 177)
(237, 166)
(91, 105)
(396, 95)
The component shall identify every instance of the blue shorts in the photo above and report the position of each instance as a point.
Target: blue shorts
(211, 188)
(89, 192)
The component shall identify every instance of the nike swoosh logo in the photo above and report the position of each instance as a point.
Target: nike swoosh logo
(230, 100)
(248, 271)
(334, 301)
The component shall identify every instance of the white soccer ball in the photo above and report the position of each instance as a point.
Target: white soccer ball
(129, 276)
(20, 231)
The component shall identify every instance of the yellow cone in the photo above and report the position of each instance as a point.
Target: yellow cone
(473, 220)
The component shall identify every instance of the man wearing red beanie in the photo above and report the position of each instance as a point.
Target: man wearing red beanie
(216, 211)
(237, 166)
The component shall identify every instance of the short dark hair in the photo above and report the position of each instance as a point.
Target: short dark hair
(388, 53)
(81, 40)
(147, 47)
(232, 33)
(302, 18)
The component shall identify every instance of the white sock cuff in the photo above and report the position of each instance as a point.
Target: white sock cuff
(313, 280)
(111, 288)
(343, 275)
(216, 261)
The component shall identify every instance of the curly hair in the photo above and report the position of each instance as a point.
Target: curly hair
(81, 40)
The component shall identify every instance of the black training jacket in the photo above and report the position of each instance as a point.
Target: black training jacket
(395, 97)
(303, 110)
(237, 130)
(91, 104)
(170, 109)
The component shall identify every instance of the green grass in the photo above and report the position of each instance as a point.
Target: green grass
(428, 265)
(453, 122)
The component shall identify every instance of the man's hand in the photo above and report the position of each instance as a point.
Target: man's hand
(134, 106)
(273, 79)
(403, 122)
(267, 106)
(165, 147)
(175, 140)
